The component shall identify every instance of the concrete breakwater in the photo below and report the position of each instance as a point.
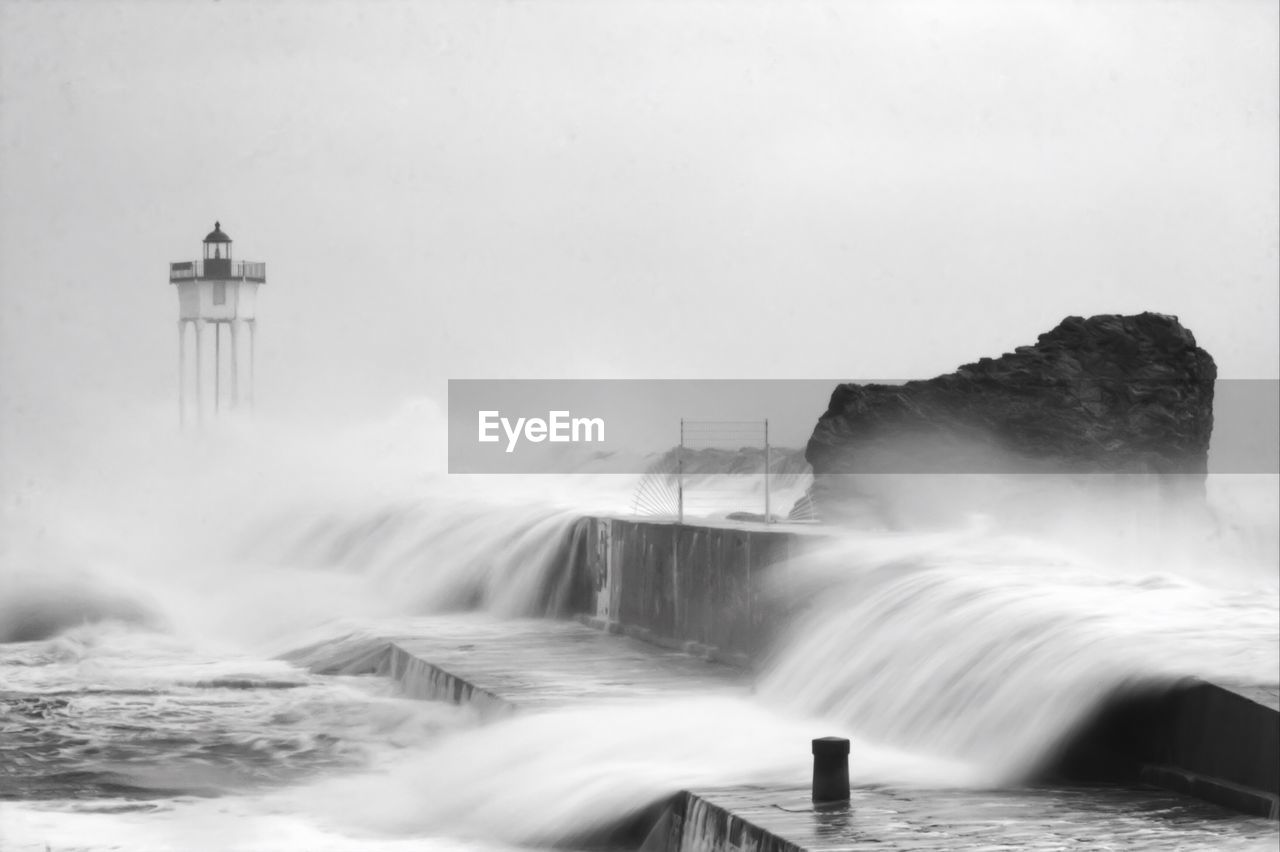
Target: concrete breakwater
(692, 588)
(701, 590)
(698, 589)
(506, 671)
(879, 819)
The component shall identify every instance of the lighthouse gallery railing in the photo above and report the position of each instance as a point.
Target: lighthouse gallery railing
(218, 269)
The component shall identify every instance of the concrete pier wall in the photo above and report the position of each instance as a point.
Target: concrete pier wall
(1222, 746)
(1244, 730)
(696, 588)
(694, 823)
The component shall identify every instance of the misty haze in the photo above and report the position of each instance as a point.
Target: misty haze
(639, 427)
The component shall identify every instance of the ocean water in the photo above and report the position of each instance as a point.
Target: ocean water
(150, 582)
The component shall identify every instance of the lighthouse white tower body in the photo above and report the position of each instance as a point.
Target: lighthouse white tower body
(216, 291)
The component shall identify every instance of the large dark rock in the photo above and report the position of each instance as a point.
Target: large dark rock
(1109, 394)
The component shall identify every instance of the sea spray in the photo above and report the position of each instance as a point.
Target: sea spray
(993, 649)
(255, 531)
(573, 775)
(245, 543)
(434, 555)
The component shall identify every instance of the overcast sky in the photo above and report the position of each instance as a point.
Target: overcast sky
(584, 189)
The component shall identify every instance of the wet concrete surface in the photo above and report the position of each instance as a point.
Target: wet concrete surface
(536, 663)
(504, 666)
(1128, 818)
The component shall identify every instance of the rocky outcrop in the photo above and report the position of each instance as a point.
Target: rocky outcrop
(1108, 394)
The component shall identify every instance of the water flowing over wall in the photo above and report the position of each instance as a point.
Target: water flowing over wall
(971, 649)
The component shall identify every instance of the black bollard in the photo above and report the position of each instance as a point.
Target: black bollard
(830, 770)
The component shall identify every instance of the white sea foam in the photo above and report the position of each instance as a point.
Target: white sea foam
(154, 563)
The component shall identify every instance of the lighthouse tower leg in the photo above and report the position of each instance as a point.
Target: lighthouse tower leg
(235, 364)
(182, 372)
(199, 324)
(217, 368)
(253, 338)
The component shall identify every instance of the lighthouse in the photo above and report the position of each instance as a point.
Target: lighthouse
(216, 291)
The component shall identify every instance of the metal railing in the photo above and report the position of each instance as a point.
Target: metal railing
(192, 270)
(720, 468)
(712, 460)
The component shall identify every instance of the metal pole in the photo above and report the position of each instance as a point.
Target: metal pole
(680, 474)
(182, 373)
(767, 516)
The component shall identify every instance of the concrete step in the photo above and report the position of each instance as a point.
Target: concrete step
(500, 666)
